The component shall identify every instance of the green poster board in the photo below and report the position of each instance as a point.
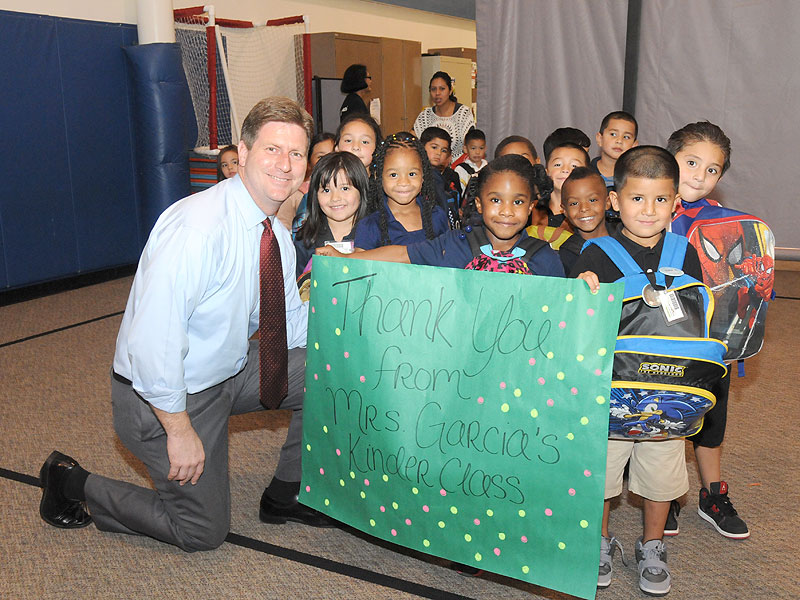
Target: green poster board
(463, 414)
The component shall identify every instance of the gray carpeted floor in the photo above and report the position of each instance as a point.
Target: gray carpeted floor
(55, 391)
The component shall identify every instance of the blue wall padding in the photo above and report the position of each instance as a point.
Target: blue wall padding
(37, 205)
(97, 94)
(68, 198)
(163, 133)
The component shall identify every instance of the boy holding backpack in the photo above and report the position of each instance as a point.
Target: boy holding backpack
(649, 435)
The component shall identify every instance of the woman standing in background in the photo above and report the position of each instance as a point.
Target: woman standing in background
(446, 112)
(357, 84)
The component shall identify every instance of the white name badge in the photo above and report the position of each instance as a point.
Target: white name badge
(345, 247)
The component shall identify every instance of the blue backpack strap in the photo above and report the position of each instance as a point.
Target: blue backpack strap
(617, 253)
(673, 252)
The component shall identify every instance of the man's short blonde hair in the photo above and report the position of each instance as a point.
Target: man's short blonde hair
(275, 108)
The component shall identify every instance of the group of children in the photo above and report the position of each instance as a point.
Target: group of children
(397, 199)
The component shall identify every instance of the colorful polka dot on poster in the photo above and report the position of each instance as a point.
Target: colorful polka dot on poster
(377, 462)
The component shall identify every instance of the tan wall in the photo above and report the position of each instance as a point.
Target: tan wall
(346, 16)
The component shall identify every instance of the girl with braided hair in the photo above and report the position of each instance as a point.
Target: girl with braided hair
(402, 199)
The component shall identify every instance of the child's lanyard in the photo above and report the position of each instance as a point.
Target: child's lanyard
(658, 296)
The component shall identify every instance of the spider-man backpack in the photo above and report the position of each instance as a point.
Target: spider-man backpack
(737, 252)
(665, 363)
(485, 258)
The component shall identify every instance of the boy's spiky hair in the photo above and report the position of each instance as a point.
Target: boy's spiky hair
(647, 162)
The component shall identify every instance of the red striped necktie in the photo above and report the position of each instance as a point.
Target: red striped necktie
(272, 323)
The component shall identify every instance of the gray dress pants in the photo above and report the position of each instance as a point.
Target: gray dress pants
(192, 517)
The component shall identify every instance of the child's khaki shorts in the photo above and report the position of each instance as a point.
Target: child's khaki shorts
(657, 468)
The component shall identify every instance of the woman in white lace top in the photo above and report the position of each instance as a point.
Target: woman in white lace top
(446, 113)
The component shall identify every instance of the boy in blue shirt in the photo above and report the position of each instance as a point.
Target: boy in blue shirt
(618, 133)
(646, 181)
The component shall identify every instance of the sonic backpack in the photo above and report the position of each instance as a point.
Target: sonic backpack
(486, 258)
(737, 253)
(665, 362)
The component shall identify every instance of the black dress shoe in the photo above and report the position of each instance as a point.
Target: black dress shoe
(55, 508)
(278, 513)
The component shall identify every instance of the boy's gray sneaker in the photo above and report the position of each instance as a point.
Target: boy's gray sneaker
(607, 547)
(654, 577)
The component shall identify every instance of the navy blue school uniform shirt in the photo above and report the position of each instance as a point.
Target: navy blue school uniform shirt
(609, 181)
(594, 259)
(368, 231)
(452, 250)
(304, 253)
